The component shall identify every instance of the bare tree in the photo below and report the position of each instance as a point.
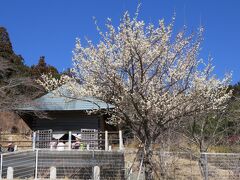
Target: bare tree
(212, 128)
(205, 130)
(15, 90)
(16, 85)
(153, 79)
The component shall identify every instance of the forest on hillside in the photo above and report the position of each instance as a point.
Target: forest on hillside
(17, 83)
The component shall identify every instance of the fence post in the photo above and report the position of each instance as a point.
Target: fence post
(34, 141)
(120, 141)
(106, 140)
(96, 173)
(36, 165)
(70, 140)
(53, 173)
(140, 168)
(1, 166)
(9, 173)
(205, 166)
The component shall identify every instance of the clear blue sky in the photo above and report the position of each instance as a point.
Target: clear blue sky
(49, 27)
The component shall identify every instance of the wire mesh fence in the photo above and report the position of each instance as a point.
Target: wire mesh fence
(77, 164)
(224, 165)
(22, 163)
(67, 164)
(185, 165)
(80, 164)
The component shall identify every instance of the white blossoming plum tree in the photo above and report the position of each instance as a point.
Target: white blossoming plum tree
(153, 78)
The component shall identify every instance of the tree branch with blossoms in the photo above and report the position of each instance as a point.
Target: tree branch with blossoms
(151, 77)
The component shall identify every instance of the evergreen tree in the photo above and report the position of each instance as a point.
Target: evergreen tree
(15, 62)
(43, 68)
(5, 43)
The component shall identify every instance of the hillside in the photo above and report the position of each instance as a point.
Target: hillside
(17, 83)
(11, 122)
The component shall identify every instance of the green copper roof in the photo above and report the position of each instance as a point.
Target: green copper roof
(55, 102)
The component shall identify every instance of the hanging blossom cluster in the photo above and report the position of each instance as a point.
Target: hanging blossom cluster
(50, 83)
(152, 77)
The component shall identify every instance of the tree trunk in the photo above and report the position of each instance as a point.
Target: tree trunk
(148, 161)
(202, 162)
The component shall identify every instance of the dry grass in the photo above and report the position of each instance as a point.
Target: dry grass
(173, 167)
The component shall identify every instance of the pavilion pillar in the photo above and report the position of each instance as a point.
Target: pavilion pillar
(106, 140)
(70, 140)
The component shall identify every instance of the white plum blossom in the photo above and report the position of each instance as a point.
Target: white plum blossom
(152, 77)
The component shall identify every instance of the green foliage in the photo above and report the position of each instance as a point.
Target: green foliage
(236, 89)
(218, 129)
(233, 111)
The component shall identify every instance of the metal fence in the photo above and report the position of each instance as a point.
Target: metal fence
(96, 140)
(182, 165)
(23, 164)
(54, 164)
(77, 164)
